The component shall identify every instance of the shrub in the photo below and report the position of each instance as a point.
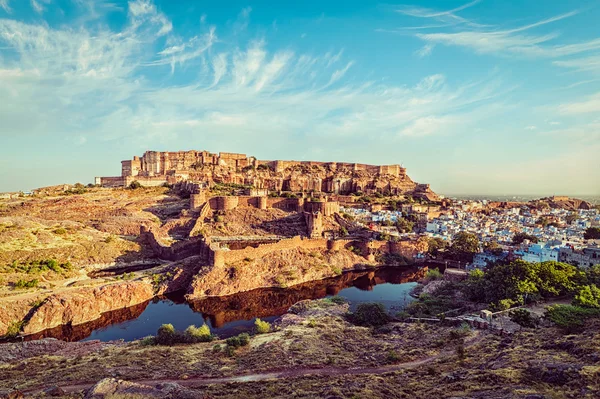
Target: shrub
(233, 342)
(13, 329)
(523, 318)
(338, 300)
(166, 335)
(392, 356)
(135, 185)
(336, 270)
(60, 231)
(369, 314)
(216, 348)
(194, 334)
(21, 284)
(262, 327)
(148, 341)
(244, 339)
(434, 274)
(570, 318)
(588, 297)
(229, 351)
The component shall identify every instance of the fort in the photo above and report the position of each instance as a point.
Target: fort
(159, 168)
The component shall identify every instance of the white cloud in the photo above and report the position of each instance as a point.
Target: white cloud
(531, 128)
(491, 40)
(425, 50)
(338, 74)
(586, 64)
(38, 6)
(4, 5)
(448, 17)
(590, 105)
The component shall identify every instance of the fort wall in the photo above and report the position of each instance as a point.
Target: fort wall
(223, 256)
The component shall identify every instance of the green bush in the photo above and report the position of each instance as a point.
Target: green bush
(570, 318)
(147, 341)
(234, 342)
(194, 334)
(135, 185)
(434, 274)
(22, 284)
(588, 297)
(13, 329)
(369, 314)
(338, 300)
(523, 317)
(393, 356)
(244, 339)
(60, 231)
(166, 335)
(262, 327)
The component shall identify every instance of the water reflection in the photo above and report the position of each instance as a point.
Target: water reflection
(235, 313)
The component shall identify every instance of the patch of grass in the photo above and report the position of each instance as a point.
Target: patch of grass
(22, 284)
(570, 318)
(336, 270)
(60, 231)
(147, 341)
(369, 314)
(14, 328)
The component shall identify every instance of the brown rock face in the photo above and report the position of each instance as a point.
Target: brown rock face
(277, 269)
(87, 304)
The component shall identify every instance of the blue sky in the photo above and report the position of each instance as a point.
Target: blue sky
(480, 97)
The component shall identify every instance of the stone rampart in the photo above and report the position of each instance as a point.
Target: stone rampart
(228, 256)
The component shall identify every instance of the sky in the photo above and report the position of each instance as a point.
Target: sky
(472, 97)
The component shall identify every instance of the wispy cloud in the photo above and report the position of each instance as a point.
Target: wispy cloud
(425, 50)
(486, 39)
(5, 6)
(448, 17)
(585, 64)
(590, 105)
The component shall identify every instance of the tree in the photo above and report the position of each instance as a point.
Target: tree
(493, 247)
(464, 246)
(592, 233)
(404, 225)
(588, 297)
(436, 245)
(520, 237)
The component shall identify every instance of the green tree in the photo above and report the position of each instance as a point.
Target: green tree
(404, 226)
(436, 245)
(588, 297)
(493, 247)
(520, 237)
(464, 246)
(592, 233)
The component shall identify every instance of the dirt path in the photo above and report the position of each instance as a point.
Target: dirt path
(275, 375)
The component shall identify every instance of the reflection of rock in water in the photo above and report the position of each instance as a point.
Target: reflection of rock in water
(276, 301)
(245, 305)
(76, 333)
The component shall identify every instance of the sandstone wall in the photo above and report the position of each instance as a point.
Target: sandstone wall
(229, 256)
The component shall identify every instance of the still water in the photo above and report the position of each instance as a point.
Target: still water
(233, 314)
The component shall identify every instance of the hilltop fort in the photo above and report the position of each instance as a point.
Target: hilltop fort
(158, 168)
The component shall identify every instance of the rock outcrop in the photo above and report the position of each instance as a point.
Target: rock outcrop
(86, 304)
(277, 269)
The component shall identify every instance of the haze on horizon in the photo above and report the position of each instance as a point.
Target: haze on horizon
(480, 97)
